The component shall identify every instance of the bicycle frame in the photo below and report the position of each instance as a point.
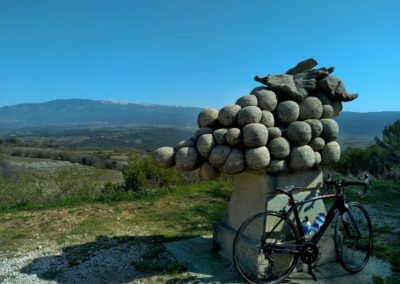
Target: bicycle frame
(338, 204)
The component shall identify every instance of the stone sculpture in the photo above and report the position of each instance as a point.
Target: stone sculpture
(286, 125)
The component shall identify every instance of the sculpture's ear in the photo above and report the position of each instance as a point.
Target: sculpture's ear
(261, 79)
(303, 66)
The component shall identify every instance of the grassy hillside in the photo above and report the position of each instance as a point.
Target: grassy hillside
(38, 183)
(128, 138)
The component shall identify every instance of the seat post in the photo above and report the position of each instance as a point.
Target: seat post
(291, 199)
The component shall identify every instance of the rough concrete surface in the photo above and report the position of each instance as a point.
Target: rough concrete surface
(208, 267)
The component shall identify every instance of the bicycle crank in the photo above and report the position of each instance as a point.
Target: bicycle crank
(309, 254)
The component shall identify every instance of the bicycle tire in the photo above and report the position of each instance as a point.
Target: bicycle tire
(353, 237)
(254, 244)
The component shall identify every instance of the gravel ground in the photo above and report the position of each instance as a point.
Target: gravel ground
(109, 262)
(385, 217)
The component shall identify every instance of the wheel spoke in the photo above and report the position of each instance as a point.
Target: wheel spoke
(353, 237)
(266, 248)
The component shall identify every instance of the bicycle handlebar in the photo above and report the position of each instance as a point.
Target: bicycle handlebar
(342, 183)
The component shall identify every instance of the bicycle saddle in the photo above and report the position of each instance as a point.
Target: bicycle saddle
(287, 189)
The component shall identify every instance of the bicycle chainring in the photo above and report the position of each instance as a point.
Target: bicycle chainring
(309, 253)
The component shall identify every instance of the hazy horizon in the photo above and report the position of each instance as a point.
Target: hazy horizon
(124, 102)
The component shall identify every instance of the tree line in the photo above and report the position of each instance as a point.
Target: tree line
(381, 159)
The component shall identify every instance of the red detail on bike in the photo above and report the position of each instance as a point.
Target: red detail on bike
(329, 195)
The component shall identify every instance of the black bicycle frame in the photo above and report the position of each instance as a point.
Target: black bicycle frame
(338, 204)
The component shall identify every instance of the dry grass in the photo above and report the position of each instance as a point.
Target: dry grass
(179, 212)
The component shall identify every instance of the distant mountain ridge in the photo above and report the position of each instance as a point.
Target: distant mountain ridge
(83, 113)
(366, 123)
(79, 112)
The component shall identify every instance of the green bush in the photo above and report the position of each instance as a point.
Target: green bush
(381, 159)
(141, 173)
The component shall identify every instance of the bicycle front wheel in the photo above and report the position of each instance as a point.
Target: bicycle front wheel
(266, 248)
(353, 237)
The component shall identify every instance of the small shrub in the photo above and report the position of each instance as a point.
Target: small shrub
(141, 172)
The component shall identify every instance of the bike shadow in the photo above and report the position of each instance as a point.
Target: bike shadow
(107, 259)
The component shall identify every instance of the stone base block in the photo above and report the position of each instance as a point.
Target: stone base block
(254, 193)
(223, 236)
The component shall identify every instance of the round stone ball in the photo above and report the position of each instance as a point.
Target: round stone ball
(257, 158)
(202, 131)
(208, 117)
(287, 112)
(274, 132)
(317, 144)
(299, 133)
(187, 159)
(267, 99)
(267, 118)
(317, 158)
(205, 144)
(279, 148)
(220, 135)
(331, 153)
(301, 157)
(219, 155)
(316, 127)
(330, 131)
(185, 143)
(233, 136)
(337, 108)
(164, 157)
(276, 166)
(255, 135)
(310, 108)
(227, 116)
(235, 163)
(208, 172)
(247, 100)
(250, 114)
(328, 111)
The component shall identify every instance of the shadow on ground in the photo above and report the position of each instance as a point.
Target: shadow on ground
(158, 259)
(107, 260)
(207, 267)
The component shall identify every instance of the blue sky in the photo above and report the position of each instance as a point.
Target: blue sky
(193, 53)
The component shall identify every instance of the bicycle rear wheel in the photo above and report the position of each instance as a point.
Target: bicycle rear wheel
(353, 237)
(266, 248)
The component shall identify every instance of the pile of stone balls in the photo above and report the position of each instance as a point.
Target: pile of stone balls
(286, 125)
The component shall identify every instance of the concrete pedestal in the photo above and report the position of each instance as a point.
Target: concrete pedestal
(254, 193)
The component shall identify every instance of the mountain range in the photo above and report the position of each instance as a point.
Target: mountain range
(81, 113)
(78, 112)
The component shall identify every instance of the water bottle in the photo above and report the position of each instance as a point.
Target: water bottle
(320, 219)
(306, 226)
(316, 225)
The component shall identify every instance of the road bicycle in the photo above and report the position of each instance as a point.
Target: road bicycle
(268, 245)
